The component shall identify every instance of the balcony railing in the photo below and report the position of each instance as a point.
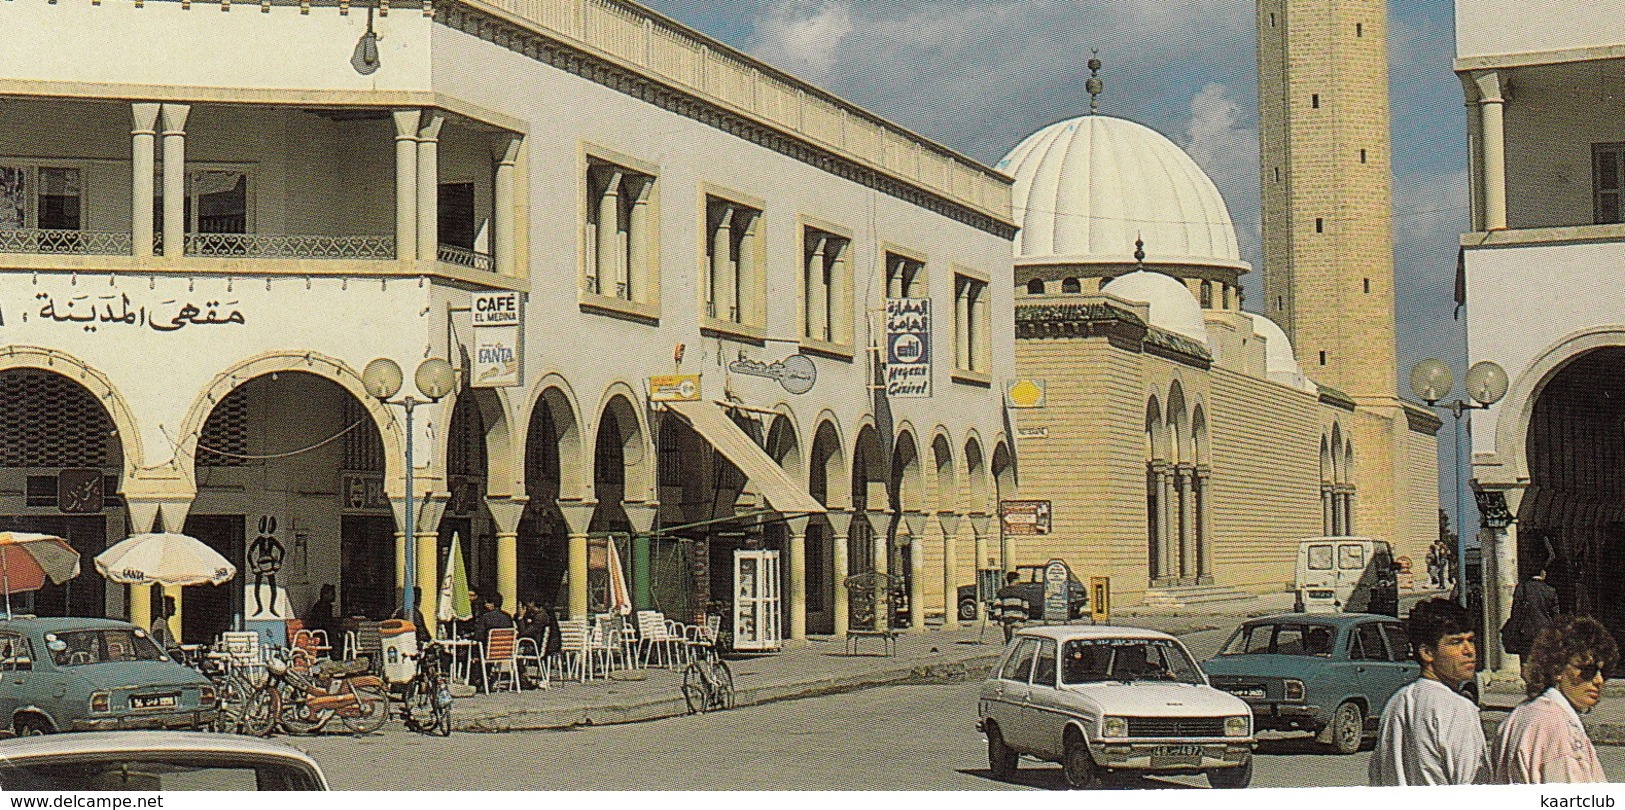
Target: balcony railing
(262, 246)
(463, 257)
(80, 243)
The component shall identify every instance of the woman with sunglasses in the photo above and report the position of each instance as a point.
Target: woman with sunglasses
(1543, 740)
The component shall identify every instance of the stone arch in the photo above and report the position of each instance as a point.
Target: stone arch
(1006, 483)
(1155, 431)
(1199, 436)
(946, 474)
(1071, 285)
(1035, 286)
(976, 480)
(117, 407)
(907, 476)
(391, 428)
(1516, 411)
(784, 443)
(1178, 425)
(553, 404)
(827, 464)
(1325, 459)
(1337, 454)
(554, 469)
(621, 458)
(869, 468)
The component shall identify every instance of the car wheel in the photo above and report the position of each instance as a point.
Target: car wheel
(1001, 760)
(1077, 766)
(1231, 778)
(1347, 729)
(967, 610)
(29, 726)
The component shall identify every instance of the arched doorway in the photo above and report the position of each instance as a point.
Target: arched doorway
(1572, 520)
(60, 453)
(551, 450)
(292, 459)
(827, 467)
(467, 519)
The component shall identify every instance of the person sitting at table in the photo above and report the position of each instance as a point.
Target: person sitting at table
(420, 627)
(492, 618)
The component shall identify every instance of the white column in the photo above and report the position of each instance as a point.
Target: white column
(428, 193)
(1186, 485)
(1204, 523)
(1491, 108)
(724, 293)
(796, 576)
(608, 236)
(978, 343)
(406, 184)
(879, 526)
(916, 522)
(949, 523)
(962, 324)
(1165, 535)
(817, 304)
(1502, 552)
(745, 275)
(637, 268)
(143, 162)
(504, 212)
(174, 118)
(840, 523)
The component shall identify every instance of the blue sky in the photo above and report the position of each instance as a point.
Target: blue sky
(980, 75)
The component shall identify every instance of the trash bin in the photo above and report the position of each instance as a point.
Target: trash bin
(400, 645)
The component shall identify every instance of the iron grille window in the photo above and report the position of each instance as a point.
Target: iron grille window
(466, 455)
(48, 420)
(226, 430)
(363, 452)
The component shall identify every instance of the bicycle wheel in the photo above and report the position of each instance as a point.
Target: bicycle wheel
(440, 700)
(695, 689)
(370, 711)
(299, 717)
(417, 711)
(722, 685)
(230, 699)
(261, 712)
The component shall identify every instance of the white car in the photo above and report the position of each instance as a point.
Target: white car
(1112, 700)
(154, 760)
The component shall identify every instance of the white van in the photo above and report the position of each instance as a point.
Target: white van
(1346, 574)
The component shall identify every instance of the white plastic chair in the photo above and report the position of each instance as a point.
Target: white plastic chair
(574, 649)
(655, 633)
(529, 651)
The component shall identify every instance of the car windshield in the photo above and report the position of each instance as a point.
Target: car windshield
(156, 771)
(1280, 638)
(1095, 660)
(72, 648)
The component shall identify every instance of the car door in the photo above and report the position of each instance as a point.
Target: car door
(1041, 715)
(1399, 652)
(1377, 675)
(13, 674)
(1011, 691)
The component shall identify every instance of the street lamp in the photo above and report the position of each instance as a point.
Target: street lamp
(1486, 383)
(382, 379)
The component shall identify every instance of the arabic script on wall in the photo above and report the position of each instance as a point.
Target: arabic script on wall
(93, 312)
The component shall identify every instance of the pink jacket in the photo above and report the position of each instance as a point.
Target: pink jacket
(1544, 741)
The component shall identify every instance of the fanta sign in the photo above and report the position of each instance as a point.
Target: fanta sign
(498, 339)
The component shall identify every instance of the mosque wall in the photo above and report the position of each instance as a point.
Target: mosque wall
(1419, 496)
(1266, 478)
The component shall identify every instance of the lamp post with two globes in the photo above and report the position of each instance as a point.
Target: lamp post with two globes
(1486, 383)
(382, 379)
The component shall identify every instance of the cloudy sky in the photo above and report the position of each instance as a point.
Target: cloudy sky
(980, 75)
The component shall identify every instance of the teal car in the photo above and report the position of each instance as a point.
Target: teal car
(1327, 674)
(75, 674)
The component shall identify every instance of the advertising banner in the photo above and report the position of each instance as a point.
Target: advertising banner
(1025, 517)
(908, 347)
(498, 339)
(674, 388)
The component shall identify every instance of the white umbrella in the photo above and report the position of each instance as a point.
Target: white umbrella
(164, 558)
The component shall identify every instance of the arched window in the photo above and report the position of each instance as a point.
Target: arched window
(1225, 292)
(1071, 285)
(1207, 295)
(1035, 286)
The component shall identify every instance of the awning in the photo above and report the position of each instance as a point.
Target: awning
(781, 491)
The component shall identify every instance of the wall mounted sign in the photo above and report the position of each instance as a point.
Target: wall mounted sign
(908, 347)
(674, 388)
(498, 339)
(80, 492)
(93, 312)
(1032, 433)
(1492, 508)
(1025, 517)
(797, 373)
(1025, 393)
(364, 492)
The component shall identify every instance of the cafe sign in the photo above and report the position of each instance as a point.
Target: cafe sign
(498, 339)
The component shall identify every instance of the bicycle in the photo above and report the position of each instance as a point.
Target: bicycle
(244, 707)
(707, 683)
(427, 697)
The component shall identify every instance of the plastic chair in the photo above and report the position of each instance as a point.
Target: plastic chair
(573, 649)
(603, 643)
(656, 633)
(534, 656)
(499, 654)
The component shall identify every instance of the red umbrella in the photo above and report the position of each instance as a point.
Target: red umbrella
(27, 560)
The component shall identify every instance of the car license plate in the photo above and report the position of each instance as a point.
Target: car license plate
(1246, 691)
(153, 701)
(1168, 756)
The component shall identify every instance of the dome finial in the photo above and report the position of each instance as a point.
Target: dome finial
(1094, 85)
(1139, 252)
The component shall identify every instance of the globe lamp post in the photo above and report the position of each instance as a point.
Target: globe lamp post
(1486, 383)
(382, 379)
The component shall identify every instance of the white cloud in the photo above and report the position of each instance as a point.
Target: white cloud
(805, 38)
(1227, 150)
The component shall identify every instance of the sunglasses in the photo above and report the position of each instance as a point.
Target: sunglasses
(1587, 672)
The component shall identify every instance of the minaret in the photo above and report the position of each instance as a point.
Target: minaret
(1327, 197)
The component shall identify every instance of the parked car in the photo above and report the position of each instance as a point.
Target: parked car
(1030, 585)
(72, 674)
(1348, 574)
(156, 760)
(1105, 701)
(1329, 674)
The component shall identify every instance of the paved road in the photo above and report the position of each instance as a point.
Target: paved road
(916, 737)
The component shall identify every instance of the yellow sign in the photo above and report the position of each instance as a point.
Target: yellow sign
(1100, 599)
(674, 388)
(1024, 393)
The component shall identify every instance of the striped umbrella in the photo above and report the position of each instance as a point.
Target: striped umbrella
(620, 596)
(454, 605)
(27, 560)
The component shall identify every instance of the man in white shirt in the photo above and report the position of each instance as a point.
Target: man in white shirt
(1430, 734)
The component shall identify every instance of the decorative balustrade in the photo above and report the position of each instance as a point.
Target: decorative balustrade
(463, 257)
(81, 243)
(266, 246)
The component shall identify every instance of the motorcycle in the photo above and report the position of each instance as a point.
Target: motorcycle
(312, 698)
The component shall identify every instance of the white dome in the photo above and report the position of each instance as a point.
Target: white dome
(1087, 187)
(1280, 364)
(1172, 306)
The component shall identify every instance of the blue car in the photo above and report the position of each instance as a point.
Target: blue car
(73, 674)
(1327, 674)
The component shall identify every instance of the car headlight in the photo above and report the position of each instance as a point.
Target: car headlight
(205, 696)
(1114, 727)
(1237, 726)
(1294, 689)
(100, 701)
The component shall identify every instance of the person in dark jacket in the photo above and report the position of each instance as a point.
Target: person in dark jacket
(320, 615)
(1534, 608)
(536, 621)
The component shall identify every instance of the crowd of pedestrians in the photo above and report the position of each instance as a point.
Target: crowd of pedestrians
(1430, 734)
